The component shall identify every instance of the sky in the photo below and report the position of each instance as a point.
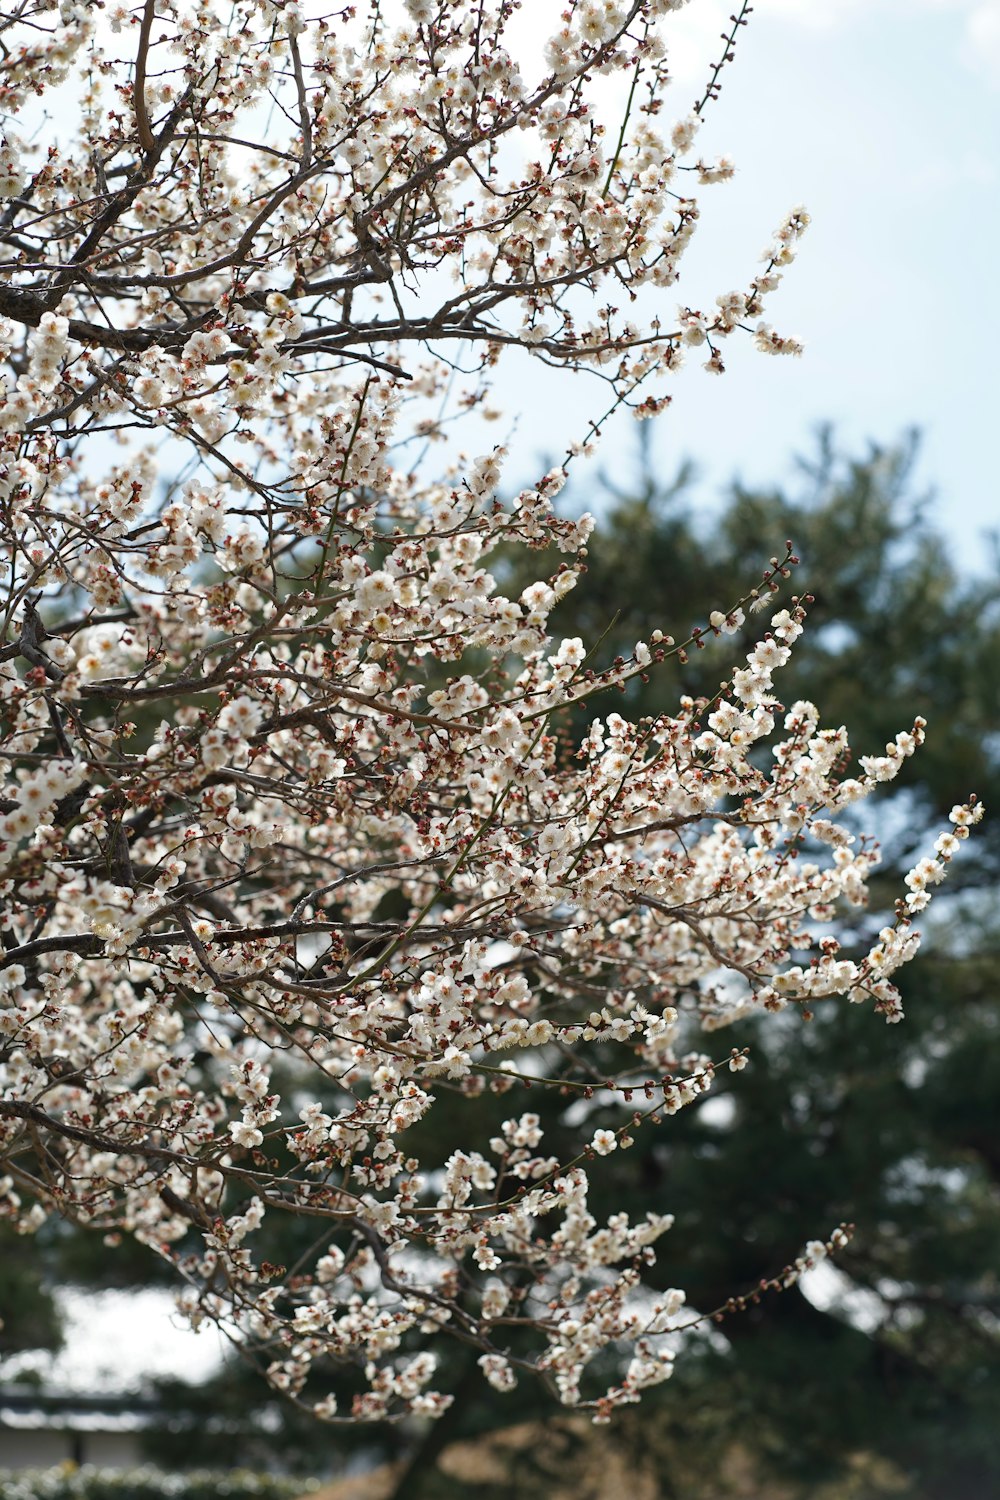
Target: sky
(882, 117)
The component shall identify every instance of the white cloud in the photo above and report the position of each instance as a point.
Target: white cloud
(810, 13)
(981, 43)
(979, 33)
(978, 30)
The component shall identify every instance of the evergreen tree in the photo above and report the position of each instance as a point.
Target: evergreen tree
(896, 1131)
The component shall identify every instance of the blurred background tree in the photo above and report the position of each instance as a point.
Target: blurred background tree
(894, 1358)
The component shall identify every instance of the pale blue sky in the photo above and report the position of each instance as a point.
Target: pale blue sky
(883, 118)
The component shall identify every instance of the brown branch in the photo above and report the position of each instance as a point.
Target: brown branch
(20, 1109)
(146, 138)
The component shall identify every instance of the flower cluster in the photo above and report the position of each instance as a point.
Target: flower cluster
(296, 859)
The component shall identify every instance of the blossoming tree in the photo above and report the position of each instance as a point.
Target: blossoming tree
(251, 826)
